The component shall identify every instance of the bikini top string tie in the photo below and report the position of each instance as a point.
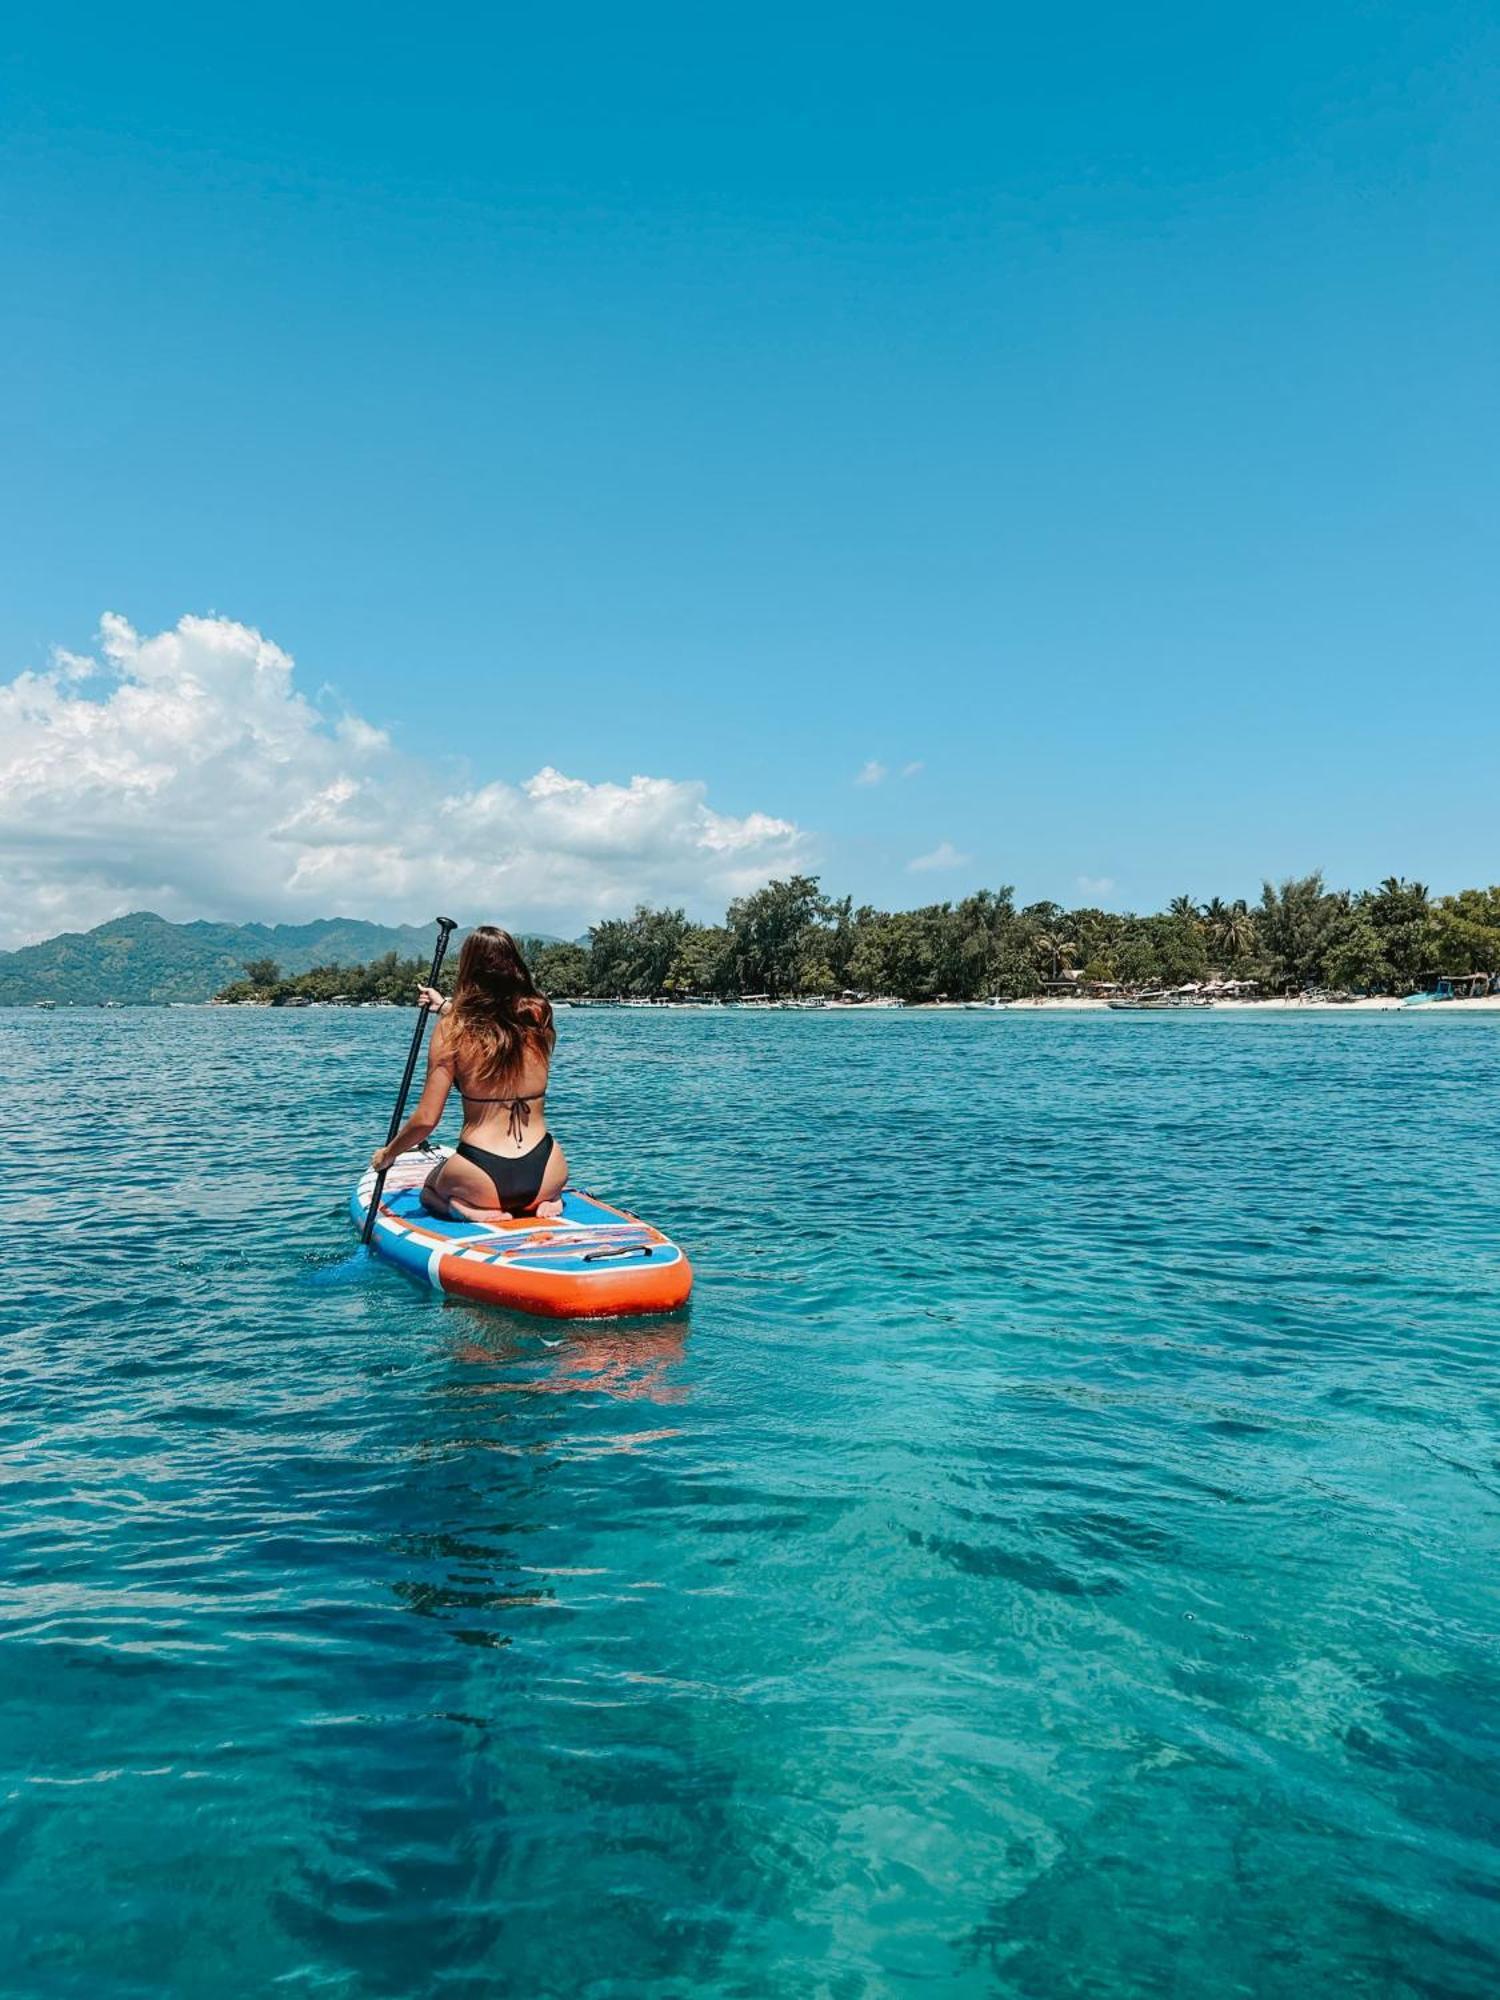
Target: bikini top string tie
(520, 1108)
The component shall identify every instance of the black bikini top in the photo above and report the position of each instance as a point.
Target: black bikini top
(520, 1107)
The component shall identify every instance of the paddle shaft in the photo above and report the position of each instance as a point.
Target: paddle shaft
(445, 928)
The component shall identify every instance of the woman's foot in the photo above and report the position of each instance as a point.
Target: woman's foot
(549, 1211)
(465, 1213)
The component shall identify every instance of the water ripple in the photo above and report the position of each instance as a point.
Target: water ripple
(1055, 1556)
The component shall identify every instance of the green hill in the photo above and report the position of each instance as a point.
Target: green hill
(143, 959)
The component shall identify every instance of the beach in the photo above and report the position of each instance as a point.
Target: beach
(1301, 1005)
(1377, 1004)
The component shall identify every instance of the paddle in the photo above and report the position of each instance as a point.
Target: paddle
(445, 928)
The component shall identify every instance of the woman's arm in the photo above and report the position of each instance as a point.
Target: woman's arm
(423, 1122)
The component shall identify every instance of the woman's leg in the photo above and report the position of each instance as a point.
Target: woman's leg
(554, 1180)
(457, 1198)
(458, 1191)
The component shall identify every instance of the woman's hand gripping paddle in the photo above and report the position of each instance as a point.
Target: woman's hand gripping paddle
(445, 928)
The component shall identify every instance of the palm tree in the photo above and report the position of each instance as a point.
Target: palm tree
(1059, 948)
(1183, 910)
(1229, 927)
(1399, 901)
(1416, 893)
(1234, 932)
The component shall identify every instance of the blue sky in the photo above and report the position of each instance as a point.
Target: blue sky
(1094, 406)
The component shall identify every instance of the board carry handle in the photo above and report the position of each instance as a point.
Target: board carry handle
(446, 928)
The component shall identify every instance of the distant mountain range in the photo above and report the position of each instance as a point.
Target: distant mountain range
(143, 959)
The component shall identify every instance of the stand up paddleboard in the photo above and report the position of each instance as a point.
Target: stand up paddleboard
(592, 1262)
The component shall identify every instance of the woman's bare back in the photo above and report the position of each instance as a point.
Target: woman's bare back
(503, 1119)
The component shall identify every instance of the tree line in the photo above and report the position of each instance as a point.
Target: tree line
(789, 939)
(389, 980)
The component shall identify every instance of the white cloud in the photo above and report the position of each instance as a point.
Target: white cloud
(944, 855)
(194, 779)
(876, 773)
(1096, 885)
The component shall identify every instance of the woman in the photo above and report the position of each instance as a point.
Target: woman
(494, 1042)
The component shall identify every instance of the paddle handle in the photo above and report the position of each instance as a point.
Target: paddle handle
(445, 930)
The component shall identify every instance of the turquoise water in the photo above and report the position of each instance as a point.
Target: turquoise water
(1056, 1557)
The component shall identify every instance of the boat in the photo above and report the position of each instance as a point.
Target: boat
(593, 1262)
(1451, 986)
(1161, 1003)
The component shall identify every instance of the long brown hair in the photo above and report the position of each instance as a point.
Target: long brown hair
(499, 1017)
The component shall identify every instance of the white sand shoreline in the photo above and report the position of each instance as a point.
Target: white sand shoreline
(1488, 1004)
(1054, 1004)
(1380, 1004)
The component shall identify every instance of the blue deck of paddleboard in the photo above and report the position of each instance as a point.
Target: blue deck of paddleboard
(599, 1228)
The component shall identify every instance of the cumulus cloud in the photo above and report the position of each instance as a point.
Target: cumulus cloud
(944, 855)
(184, 772)
(1096, 885)
(910, 770)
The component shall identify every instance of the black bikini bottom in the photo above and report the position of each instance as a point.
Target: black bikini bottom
(517, 1182)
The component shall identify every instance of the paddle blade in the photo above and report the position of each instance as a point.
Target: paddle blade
(341, 1270)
